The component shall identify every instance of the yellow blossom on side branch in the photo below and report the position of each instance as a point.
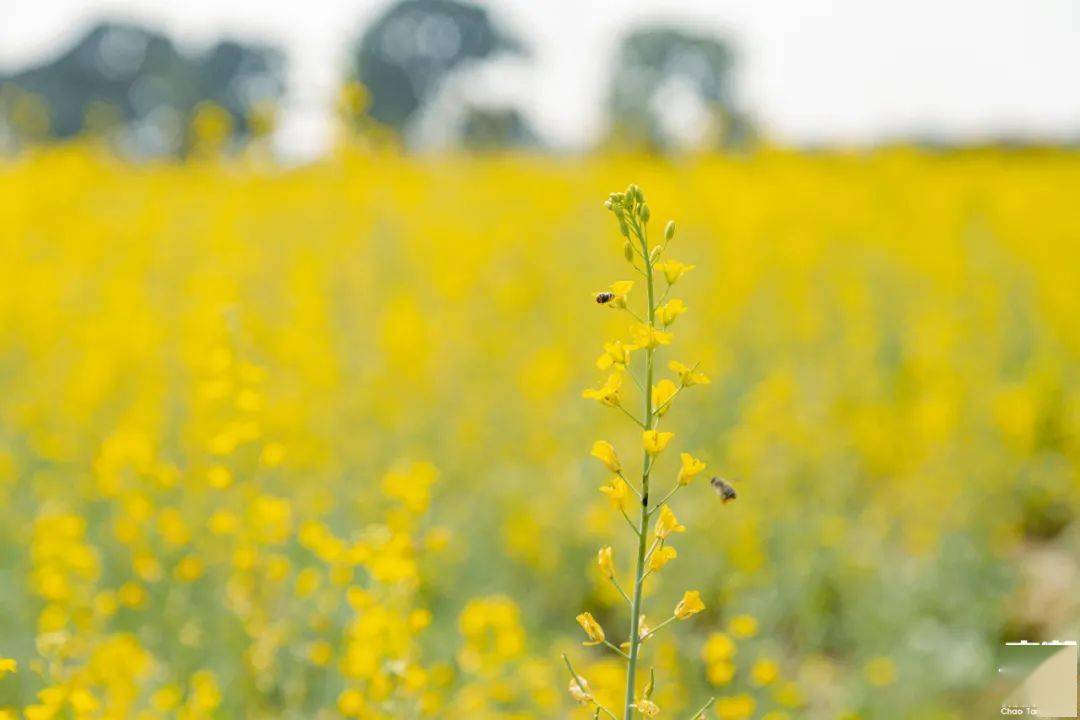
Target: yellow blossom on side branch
(617, 491)
(690, 604)
(649, 337)
(662, 393)
(667, 524)
(608, 393)
(605, 453)
(616, 354)
(690, 467)
(661, 557)
(591, 627)
(656, 440)
(688, 376)
(605, 562)
(673, 270)
(667, 313)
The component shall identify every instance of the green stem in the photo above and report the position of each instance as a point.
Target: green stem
(701, 712)
(667, 497)
(656, 629)
(615, 647)
(631, 416)
(581, 686)
(639, 574)
(621, 591)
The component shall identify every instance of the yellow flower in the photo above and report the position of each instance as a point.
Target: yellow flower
(720, 673)
(764, 672)
(351, 702)
(880, 671)
(605, 453)
(320, 653)
(735, 707)
(606, 562)
(788, 694)
(717, 648)
(673, 270)
(648, 337)
(617, 491)
(616, 354)
(662, 393)
(7, 665)
(743, 626)
(655, 441)
(667, 523)
(608, 393)
(687, 376)
(661, 557)
(689, 605)
(647, 708)
(591, 627)
(615, 296)
(83, 702)
(691, 466)
(776, 715)
(667, 313)
(579, 690)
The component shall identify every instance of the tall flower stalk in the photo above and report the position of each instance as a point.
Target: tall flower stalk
(651, 522)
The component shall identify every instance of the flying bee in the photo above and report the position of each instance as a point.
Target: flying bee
(724, 490)
(604, 297)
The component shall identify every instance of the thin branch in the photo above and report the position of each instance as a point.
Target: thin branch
(621, 591)
(632, 417)
(616, 649)
(657, 629)
(581, 686)
(630, 485)
(667, 497)
(700, 714)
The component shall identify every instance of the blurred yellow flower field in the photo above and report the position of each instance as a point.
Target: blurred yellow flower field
(311, 442)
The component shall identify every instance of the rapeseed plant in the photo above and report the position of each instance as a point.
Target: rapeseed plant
(652, 549)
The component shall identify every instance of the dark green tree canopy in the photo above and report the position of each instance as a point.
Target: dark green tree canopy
(406, 54)
(149, 85)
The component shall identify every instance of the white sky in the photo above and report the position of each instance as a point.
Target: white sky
(839, 71)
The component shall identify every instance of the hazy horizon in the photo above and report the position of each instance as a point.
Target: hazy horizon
(842, 73)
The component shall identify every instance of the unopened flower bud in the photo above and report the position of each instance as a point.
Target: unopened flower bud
(628, 251)
(669, 230)
(644, 213)
(655, 253)
(623, 227)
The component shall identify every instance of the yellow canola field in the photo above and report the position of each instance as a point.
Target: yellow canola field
(310, 442)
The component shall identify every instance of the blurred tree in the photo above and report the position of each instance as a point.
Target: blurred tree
(486, 129)
(673, 88)
(135, 85)
(406, 55)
